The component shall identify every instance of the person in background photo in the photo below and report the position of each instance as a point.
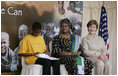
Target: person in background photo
(74, 16)
(59, 15)
(6, 53)
(72, 7)
(15, 65)
(66, 46)
(60, 10)
(34, 44)
(48, 36)
(95, 50)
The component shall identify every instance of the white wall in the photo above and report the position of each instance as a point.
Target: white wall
(92, 10)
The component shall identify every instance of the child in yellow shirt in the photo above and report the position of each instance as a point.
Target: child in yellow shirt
(34, 44)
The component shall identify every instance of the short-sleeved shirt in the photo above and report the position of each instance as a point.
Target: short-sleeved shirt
(32, 44)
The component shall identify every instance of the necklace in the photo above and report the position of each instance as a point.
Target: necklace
(65, 36)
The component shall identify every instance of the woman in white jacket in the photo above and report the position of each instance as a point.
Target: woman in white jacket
(95, 50)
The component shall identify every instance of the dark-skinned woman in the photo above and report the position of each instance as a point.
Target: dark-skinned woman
(66, 46)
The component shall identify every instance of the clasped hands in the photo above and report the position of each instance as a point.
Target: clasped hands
(101, 57)
(73, 53)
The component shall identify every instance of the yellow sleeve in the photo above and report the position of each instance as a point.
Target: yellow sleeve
(23, 46)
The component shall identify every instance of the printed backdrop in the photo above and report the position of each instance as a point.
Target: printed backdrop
(49, 13)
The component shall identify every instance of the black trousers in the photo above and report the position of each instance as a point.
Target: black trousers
(47, 66)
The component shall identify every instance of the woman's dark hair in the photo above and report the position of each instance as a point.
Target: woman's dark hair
(68, 22)
(36, 25)
(92, 22)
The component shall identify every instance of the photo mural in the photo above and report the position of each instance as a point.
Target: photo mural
(17, 18)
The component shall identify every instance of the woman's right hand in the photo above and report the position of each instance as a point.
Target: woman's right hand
(65, 53)
(101, 57)
(96, 56)
(77, 53)
(73, 54)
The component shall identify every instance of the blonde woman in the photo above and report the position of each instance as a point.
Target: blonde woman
(95, 51)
